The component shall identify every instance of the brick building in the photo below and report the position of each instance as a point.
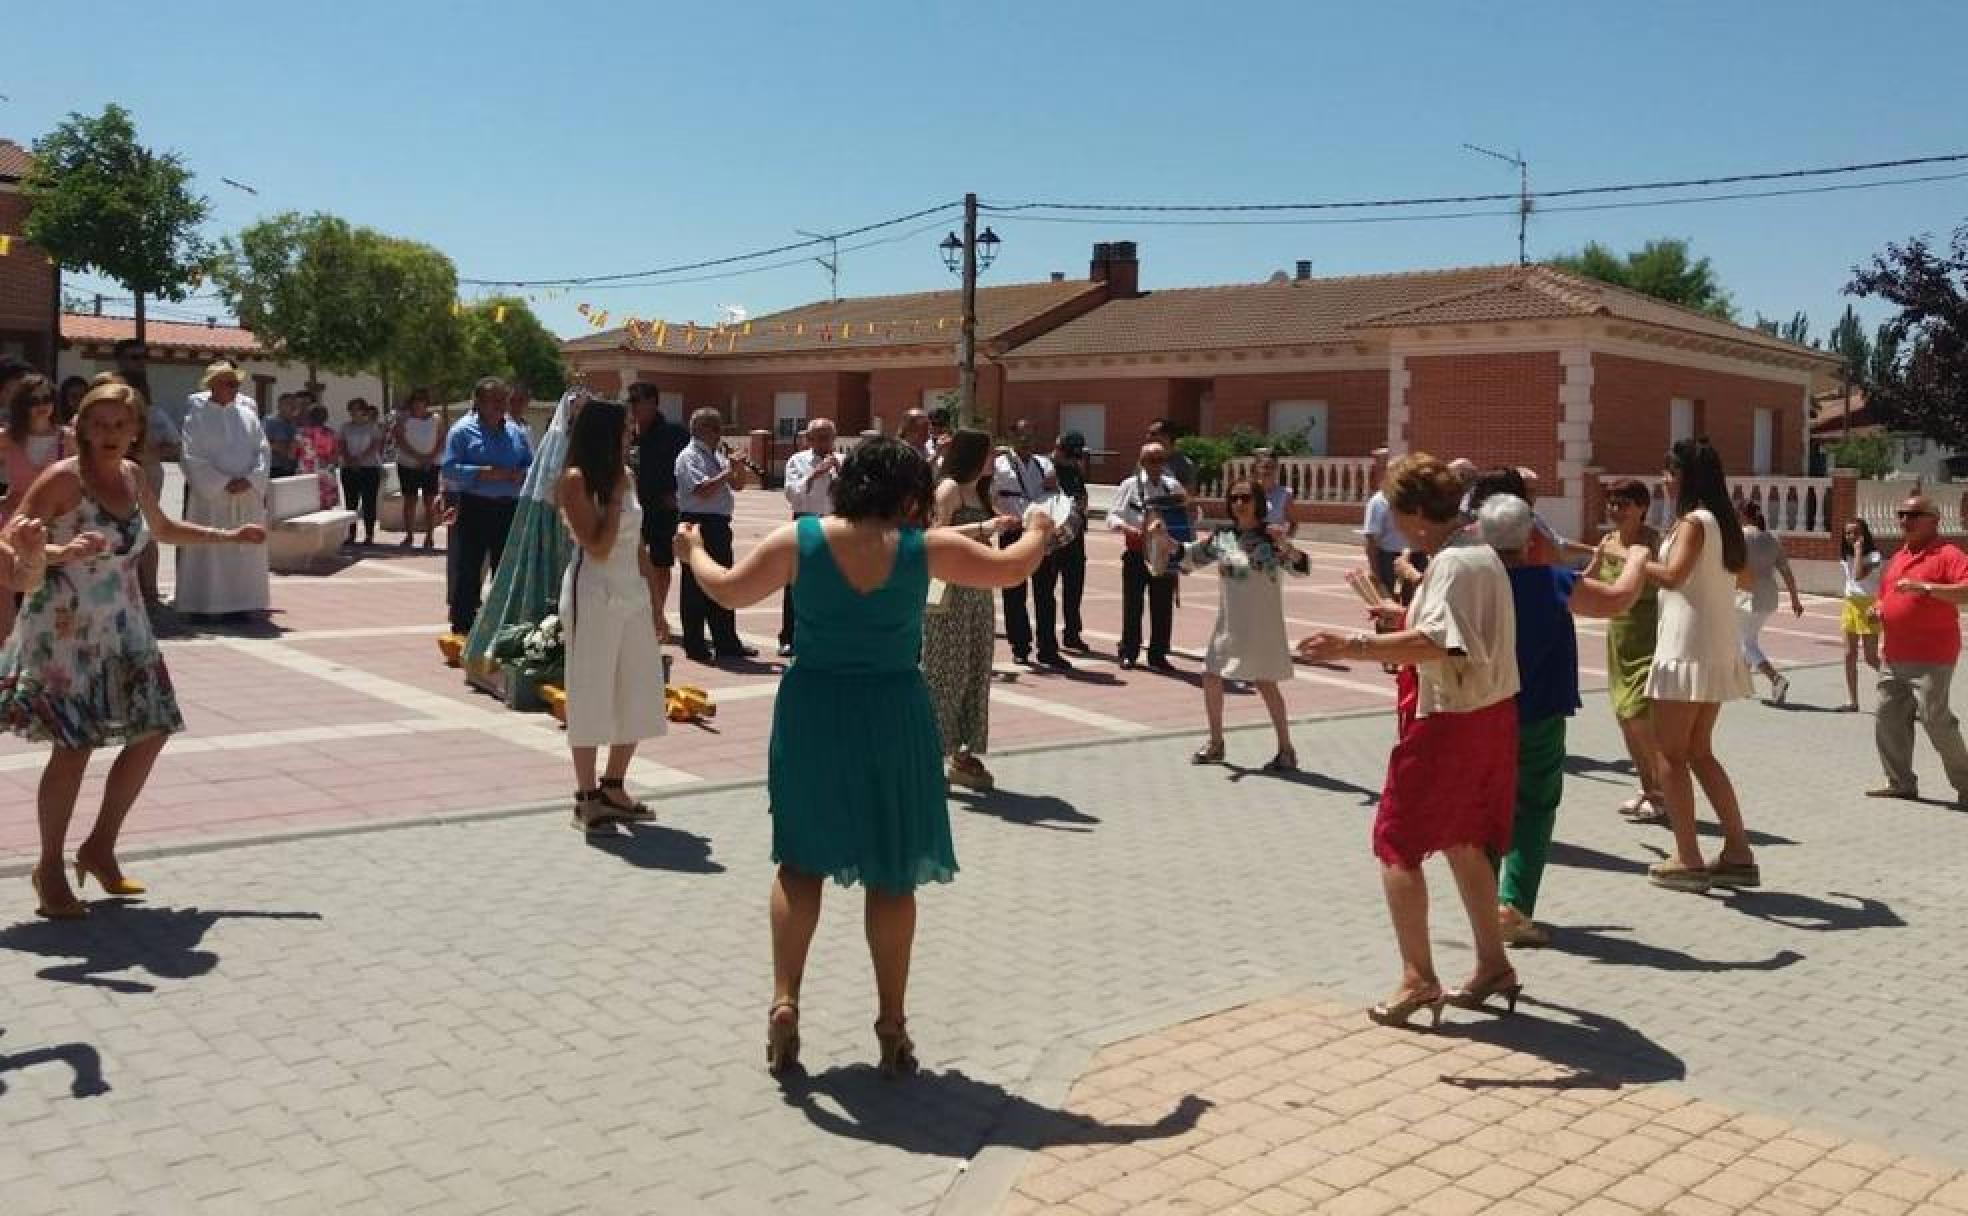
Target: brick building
(1503, 364)
(30, 288)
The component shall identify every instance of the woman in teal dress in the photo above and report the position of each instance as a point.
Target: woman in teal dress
(855, 767)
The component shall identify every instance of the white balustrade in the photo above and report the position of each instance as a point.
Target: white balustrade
(1330, 479)
(1793, 506)
(1880, 498)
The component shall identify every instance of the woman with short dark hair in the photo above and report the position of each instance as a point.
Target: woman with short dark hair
(1630, 644)
(360, 447)
(855, 772)
(1698, 665)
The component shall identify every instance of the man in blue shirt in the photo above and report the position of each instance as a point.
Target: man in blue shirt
(486, 456)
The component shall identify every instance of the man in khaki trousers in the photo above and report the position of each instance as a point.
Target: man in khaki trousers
(1921, 591)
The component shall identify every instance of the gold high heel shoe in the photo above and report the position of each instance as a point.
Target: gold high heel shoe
(1397, 1013)
(898, 1051)
(71, 911)
(782, 1039)
(111, 882)
(1503, 983)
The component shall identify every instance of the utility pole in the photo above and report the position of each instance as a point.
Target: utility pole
(967, 342)
(831, 263)
(1523, 196)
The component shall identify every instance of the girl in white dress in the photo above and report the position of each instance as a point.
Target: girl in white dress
(1698, 664)
(1248, 643)
(608, 615)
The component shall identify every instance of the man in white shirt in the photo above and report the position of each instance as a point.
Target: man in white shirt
(1019, 478)
(1150, 489)
(226, 461)
(914, 431)
(810, 491)
(1384, 542)
(706, 479)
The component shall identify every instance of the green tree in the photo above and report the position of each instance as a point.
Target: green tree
(341, 297)
(1660, 268)
(1797, 329)
(1850, 343)
(1870, 455)
(1926, 388)
(531, 350)
(98, 200)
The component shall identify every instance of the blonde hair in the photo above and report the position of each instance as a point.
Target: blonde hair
(109, 389)
(1419, 484)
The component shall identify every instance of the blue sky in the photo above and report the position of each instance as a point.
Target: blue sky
(533, 140)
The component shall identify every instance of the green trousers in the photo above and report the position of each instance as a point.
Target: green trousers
(1540, 785)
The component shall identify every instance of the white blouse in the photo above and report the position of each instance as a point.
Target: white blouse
(1464, 604)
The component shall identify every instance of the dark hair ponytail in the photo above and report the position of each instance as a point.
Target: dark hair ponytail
(1698, 470)
(594, 446)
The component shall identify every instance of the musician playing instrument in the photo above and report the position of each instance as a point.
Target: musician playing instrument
(707, 479)
(1068, 556)
(1021, 478)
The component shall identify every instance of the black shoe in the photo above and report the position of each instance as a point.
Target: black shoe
(737, 652)
(699, 652)
(1127, 664)
(1076, 646)
(1162, 665)
(785, 650)
(1022, 657)
(1055, 661)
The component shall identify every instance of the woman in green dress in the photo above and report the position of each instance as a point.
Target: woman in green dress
(1630, 645)
(855, 772)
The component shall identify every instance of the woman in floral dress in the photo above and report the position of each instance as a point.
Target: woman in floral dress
(1249, 642)
(82, 670)
(960, 628)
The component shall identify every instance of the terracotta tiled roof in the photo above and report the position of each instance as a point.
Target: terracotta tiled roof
(1339, 309)
(78, 328)
(1538, 292)
(1829, 422)
(863, 322)
(14, 161)
(1253, 314)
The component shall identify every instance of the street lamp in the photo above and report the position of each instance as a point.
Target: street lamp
(965, 256)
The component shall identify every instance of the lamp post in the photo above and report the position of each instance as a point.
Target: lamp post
(967, 257)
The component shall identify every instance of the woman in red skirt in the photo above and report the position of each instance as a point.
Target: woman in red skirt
(1452, 777)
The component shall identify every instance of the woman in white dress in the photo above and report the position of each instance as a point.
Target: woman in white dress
(608, 616)
(1249, 643)
(1698, 664)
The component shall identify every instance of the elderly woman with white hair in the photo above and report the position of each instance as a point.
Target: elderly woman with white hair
(1546, 597)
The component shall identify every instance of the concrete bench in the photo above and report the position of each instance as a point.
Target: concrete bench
(301, 533)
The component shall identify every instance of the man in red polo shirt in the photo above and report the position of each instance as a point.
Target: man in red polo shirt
(1922, 589)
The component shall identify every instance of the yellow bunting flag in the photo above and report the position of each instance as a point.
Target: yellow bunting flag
(457, 309)
(662, 332)
(499, 315)
(748, 329)
(6, 245)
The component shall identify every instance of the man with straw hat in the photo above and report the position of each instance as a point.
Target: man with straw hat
(225, 461)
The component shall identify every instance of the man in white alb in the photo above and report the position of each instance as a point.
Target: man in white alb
(225, 460)
(1019, 478)
(810, 477)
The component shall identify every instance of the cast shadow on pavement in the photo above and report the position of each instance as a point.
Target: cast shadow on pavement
(1590, 768)
(83, 1060)
(1601, 944)
(1598, 1052)
(122, 936)
(1310, 780)
(1794, 911)
(951, 1115)
(262, 627)
(650, 846)
(1027, 810)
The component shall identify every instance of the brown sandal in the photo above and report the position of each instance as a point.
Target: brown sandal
(898, 1051)
(782, 1038)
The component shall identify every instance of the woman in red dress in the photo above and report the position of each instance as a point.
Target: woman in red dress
(1452, 776)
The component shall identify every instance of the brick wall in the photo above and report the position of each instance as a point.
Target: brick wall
(1131, 406)
(893, 391)
(28, 288)
(1631, 406)
(1356, 405)
(1495, 409)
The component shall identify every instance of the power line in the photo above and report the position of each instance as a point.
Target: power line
(1441, 200)
(750, 270)
(590, 280)
(1462, 215)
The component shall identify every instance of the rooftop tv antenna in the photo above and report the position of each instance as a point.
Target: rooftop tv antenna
(831, 263)
(1523, 194)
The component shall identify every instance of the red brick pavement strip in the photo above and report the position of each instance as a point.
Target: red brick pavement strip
(340, 713)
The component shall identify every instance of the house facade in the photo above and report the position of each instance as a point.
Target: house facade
(1524, 365)
(30, 287)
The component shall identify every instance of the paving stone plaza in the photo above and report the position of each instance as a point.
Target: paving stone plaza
(377, 972)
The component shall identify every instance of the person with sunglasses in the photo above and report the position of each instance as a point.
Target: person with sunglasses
(1922, 589)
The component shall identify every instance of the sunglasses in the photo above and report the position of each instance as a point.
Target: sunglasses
(1911, 514)
(1240, 498)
